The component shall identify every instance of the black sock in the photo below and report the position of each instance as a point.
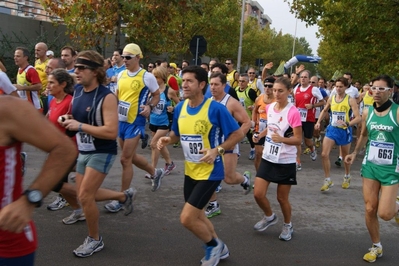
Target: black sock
(212, 243)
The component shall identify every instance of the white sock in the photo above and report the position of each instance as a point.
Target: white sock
(377, 244)
(214, 202)
(269, 218)
(289, 224)
(327, 179)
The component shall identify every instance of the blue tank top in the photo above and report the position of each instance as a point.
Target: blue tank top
(159, 115)
(87, 108)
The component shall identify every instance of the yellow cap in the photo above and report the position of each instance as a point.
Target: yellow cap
(173, 65)
(133, 48)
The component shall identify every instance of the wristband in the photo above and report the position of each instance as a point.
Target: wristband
(80, 127)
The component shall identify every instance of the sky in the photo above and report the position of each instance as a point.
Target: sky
(282, 19)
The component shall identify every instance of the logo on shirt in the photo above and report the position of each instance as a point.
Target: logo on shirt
(201, 127)
(381, 128)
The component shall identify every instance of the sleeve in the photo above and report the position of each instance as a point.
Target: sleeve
(294, 118)
(176, 114)
(151, 82)
(32, 76)
(5, 83)
(233, 93)
(316, 93)
(252, 95)
(323, 93)
(172, 82)
(260, 86)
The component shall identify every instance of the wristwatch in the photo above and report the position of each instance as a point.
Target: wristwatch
(34, 196)
(220, 150)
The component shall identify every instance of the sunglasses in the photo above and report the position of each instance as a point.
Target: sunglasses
(268, 85)
(127, 57)
(227, 63)
(82, 67)
(375, 88)
(148, 66)
(251, 72)
(313, 82)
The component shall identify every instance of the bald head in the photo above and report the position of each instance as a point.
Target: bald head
(40, 51)
(54, 63)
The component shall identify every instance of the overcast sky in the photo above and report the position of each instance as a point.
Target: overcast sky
(282, 19)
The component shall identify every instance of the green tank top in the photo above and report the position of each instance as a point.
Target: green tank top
(244, 99)
(383, 140)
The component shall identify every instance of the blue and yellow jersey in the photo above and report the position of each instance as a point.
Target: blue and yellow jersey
(199, 128)
(340, 110)
(132, 93)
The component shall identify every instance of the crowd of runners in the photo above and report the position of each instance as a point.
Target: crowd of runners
(98, 105)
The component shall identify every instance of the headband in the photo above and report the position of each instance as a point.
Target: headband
(88, 63)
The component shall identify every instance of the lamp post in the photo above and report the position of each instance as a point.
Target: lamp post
(241, 34)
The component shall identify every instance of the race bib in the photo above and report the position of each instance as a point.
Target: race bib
(158, 109)
(123, 111)
(85, 142)
(304, 114)
(335, 116)
(191, 145)
(381, 152)
(272, 150)
(242, 102)
(262, 124)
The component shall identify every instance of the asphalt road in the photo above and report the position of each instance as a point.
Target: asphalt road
(329, 227)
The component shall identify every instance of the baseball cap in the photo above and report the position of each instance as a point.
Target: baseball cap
(269, 80)
(49, 52)
(133, 48)
(173, 65)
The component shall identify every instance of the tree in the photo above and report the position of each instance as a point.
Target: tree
(357, 36)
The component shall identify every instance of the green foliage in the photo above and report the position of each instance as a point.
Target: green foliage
(358, 36)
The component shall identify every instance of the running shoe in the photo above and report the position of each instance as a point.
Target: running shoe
(212, 254)
(286, 233)
(128, 204)
(24, 157)
(298, 166)
(263, 224)
(156, 182)
(89, 246)
(374, 253)
(251, 155)
(144, 141)
(212, 210)
(247, 185)
(75, 216)
(313, 154)
(218, 189)
(113, 206)
(169, 168)
(338, 162)
(223, 255)
(57, 204)
(327, 185)
(176, 145)
(307, 151)
(347, 182)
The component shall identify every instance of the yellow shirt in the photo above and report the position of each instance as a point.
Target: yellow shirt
(340, 110)
(40, 68)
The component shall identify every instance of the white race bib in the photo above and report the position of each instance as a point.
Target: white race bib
(158, 109)
(335, 116)
(191, 145)
(381, 152)
(123, 111)
(304, 114)
(85, 142)
(272, 150)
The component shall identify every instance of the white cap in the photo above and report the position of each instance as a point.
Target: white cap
(49, 52)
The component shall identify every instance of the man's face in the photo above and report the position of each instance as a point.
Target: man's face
(51, 65)
(358, 85)
(171, 70)
(68, 58)
(349, 78)
(117, 58)
(211, 63)
(251, 74)
(85, 76)
(19, 58)
(217, 87)
(205, 67)
(40, 51)
(131, 61)
(379, 96)
(243, 82)
(304, 79)
(184, 64)
(216, 70)
(229, 64)
(340, 87)
(322, 83)
(191, 87)
(314, 81)
(150, 67)
(268, 88)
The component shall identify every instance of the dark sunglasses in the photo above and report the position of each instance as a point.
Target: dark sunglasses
(148, 66)
(127, 57)
(227, 63)
(82, 67)
(268, 85)
(251, 72)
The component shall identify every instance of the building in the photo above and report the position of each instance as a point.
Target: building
(255, 10)
(25, 8)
